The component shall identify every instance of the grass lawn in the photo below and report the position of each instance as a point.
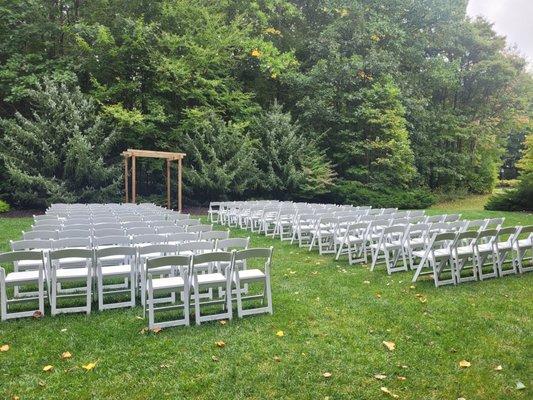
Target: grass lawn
(334, 318)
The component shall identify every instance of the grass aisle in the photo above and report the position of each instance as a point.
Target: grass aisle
(334, 318)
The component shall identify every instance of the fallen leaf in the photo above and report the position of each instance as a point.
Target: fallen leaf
(143, 331)
(89, 367)
(412, 287)
(157, 329)
(164, 366)
(423, 299)
(64, 330)
(214, 358)
(387, 391)
(66, 355)
(48, 368)
(464, 364)
(389, 345)
(378, 295)
(326, 374)
(220, 344)
(4, 347)
(366, 282)
(15, 398)
(280, 334)
(520, 385)
(138, 317)
(380, 376)
(41, 383)
(222, 322)
(37, 314)
(461, 398)
(277, 358)
(498, 368)
(401, 378)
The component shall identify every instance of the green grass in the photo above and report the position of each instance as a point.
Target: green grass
(333, 322)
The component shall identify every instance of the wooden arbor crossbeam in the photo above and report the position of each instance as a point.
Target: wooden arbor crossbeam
(169, 156)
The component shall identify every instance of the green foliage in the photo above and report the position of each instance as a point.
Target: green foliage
(290, 166)
(520, 198)
(352, 192)
(4, 207)
(56, 153)
(388, 94)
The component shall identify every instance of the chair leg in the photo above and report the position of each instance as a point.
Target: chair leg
(3, 298)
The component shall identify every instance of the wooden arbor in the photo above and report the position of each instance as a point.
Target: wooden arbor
(131, 153)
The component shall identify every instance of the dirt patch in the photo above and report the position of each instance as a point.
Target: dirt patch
(21, 213)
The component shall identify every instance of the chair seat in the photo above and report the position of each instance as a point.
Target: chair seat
(28, 264)
(463, 250)
(168, 283)
(114, 258)
(72, 260)
(206, 279)
(21, 277)
(525, 243)
(251, 274)
(485, 248)
(116, 270)
(416, 241)
(70, 273)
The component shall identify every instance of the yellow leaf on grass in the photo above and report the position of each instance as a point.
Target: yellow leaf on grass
(37, 314)
(88, 367)
(498, 368)
(387, 391)
(5, 347)
(366, 282)
(401, 378)
(378, 295)
(326, 374)
(280, 334)
(15, 398)
(464, 364)
(214, 358)
(66, 355)
(389, 345)
(48, 368)
(156, 329)
(277, 358)
(380, 376)
(220, 343)
(222, 322)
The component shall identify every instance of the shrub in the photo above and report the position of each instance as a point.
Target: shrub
(56, 154)
(519, 199)
(355, 193)
(4, 207)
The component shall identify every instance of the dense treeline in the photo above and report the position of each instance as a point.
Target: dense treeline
(360, 101)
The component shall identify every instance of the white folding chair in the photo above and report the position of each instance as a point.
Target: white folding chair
(464, 258)
(164, 230)
(504, 245)
(322, 235)
(82, 276)
(439, 256)
(251, 276)
(524, 246)
(353, 242)
(126, 270)
(34, 277)
(484, 251)
(391, 244)
(175, 286)
(201, 281)
(416, 238)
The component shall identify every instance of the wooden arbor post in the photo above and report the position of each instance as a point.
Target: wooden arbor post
(168, 156)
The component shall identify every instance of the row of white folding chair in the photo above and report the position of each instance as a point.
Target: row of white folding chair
(457, 252)
(188, 274)
(186, 224)
(58, 266)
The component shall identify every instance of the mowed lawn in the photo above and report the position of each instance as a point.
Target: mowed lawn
(334, 317)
